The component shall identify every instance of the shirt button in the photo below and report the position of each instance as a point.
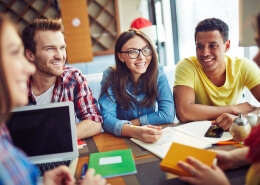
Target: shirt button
(139, 113)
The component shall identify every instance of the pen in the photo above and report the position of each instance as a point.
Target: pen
(229, 143)
(84, 169)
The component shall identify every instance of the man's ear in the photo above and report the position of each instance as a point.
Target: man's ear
(29, 55)
(119, 55)
(227, 45)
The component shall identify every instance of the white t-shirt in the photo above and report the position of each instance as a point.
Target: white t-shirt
(45, 97)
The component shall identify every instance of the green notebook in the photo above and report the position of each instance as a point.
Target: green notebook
(113, 163)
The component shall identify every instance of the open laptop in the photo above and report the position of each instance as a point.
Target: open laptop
(46, 133)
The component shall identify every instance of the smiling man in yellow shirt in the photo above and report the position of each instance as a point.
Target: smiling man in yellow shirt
(210, 85)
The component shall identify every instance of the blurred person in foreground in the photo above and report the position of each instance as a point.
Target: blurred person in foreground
(15, 168)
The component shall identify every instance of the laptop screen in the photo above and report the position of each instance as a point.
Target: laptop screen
(42, 131)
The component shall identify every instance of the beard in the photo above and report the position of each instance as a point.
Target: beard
(49, 68)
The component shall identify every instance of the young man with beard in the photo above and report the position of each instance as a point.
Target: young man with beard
(210, 85)
(53, 81)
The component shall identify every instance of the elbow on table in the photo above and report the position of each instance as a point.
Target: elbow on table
(107, 127)
(169, 117)
(183, 116)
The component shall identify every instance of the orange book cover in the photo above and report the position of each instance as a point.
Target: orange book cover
(179, 152)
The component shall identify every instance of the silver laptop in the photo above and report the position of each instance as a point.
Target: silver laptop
(46, 133)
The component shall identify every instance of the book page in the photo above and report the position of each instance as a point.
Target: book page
(171, 134)
(199, 128)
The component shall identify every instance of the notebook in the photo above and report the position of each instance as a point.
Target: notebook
(173, 134)
(113, 163)
(46, 133)
(179, 152)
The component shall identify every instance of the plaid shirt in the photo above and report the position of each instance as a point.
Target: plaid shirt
(15, 169)
(73, 86)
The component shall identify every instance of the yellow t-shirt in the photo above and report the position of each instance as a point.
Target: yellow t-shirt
(240, 73)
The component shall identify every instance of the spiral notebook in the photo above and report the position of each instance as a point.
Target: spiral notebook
(170, 135)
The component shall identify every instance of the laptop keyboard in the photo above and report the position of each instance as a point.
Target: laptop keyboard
(43, 167)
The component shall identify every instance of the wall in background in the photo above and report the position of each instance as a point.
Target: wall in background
(128, 11)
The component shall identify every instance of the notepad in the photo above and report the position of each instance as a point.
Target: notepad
(173, 134)
(113, 163)
(179, 152)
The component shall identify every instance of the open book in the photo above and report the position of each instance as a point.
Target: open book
(173, 134)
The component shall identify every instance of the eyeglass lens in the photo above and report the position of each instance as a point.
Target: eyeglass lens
(134, 53)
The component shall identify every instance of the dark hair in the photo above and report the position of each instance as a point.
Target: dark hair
(5, 95)
(258, 22)
(39, 24)
(121, 76)
(212, 24)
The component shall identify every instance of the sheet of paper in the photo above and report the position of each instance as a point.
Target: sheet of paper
(199, 128)
(172, 134)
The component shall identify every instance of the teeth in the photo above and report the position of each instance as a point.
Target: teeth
(140, 64)
(56, 63)
(207, 60)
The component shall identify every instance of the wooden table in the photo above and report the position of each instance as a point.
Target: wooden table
(108, 142)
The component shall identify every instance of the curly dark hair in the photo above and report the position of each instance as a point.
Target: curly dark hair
(212, 24)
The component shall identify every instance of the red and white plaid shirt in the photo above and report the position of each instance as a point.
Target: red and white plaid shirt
(73, 86)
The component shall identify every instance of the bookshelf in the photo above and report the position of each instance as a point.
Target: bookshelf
(103, 18)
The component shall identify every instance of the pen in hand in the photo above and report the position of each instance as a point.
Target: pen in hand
(84, 170)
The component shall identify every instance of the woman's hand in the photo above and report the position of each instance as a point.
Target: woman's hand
(202, 174)
(149, 133)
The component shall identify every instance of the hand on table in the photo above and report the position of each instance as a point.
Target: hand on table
(92, 179)
(244, 108)
(201, 173)
(225, 120)
(232, 159)
(58, 176)
(149, 133)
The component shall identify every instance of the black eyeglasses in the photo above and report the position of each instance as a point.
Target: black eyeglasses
(134, 53)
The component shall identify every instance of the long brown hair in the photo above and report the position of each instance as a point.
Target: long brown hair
(121, 76)
(5, 95)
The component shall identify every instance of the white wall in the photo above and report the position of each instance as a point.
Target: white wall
(128, 11)
(248, 9)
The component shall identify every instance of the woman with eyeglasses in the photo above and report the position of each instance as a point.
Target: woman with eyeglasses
(135, 94)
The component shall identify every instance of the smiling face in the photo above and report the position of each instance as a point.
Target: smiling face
(139, 65)
(50, 53)
(210, 50)
(17, 68)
